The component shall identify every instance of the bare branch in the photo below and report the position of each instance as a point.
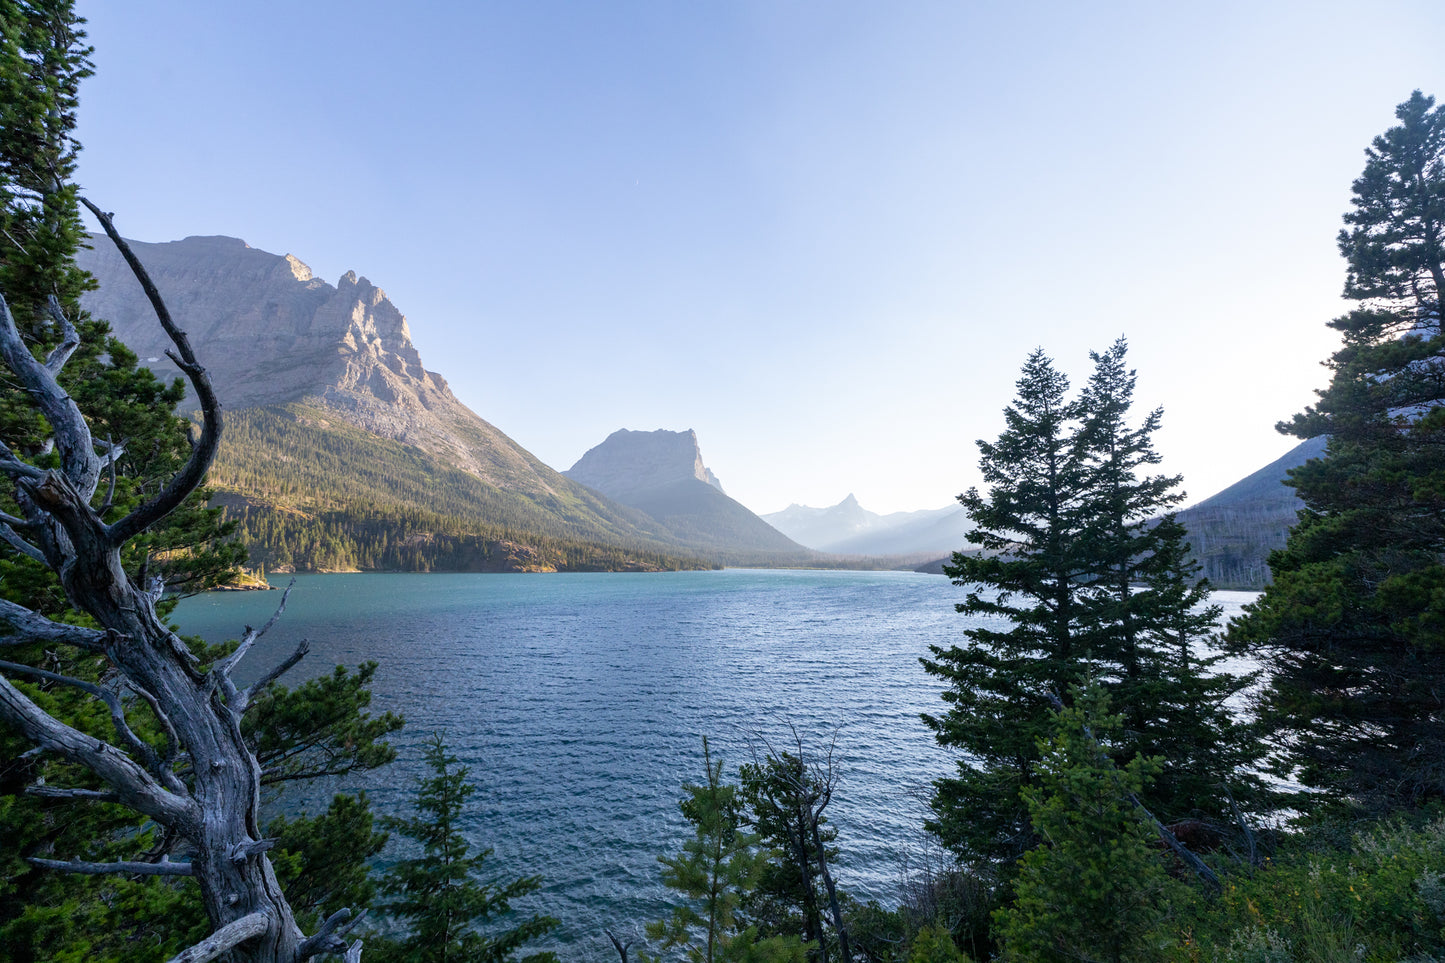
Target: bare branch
(111, 700)
(112, 455)
(260, 685)
(328, 939)
(30, 627)
(162, 868)
(69, 337)
(57, 792)
(8, 536)
(194, 473)
(226, 938)
(134, 786)
(77, 452)
(14, 467)
(618, 945)
(168, 758)
(249, 637)
(245, 850)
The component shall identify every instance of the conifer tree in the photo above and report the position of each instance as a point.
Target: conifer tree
(1078, 578)
(1149, 610)
(1351, 629)
(715, 871)
(1023, 588)
(439, 895)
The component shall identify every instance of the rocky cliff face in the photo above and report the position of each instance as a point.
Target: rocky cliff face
(271, 333)
(631, 461)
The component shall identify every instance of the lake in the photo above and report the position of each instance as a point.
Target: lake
(579, 701)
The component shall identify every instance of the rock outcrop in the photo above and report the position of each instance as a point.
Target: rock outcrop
(631, 461)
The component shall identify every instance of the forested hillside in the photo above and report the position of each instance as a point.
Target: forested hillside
(310, 492)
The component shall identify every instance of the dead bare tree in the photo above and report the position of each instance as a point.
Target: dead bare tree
(203, 785)
(807, 784)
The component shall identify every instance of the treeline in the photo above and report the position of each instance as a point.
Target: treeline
(358, 536)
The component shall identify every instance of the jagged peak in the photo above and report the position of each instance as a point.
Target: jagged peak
(299, 269)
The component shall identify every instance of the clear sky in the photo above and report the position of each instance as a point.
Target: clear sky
(825, 235)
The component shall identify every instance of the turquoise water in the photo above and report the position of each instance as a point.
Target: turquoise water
(580, 701)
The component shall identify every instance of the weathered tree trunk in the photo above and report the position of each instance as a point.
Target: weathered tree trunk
(204, 787)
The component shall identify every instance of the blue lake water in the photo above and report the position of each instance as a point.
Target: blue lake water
(579, 702)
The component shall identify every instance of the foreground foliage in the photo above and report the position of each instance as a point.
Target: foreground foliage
(440, 894)
(717, 869)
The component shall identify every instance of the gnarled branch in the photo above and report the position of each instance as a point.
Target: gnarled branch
(226, 938)
(329, 938)
(112, 701)
(189, 478)
(8, 536)
(72, 434)
(58, 792)
(69, 337)
(31, 627)
(162, 868)
(223, 668)
(134, 786)
(260, 685)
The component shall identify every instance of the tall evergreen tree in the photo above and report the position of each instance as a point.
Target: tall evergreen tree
(439, 894)
(1077, 580)
(1023, 591)
(1352, 629)
(1149, 610)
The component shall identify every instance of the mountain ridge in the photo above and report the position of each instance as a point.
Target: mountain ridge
(334, 366)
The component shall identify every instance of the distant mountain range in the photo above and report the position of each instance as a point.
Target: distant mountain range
(848, 528)
(343, 451)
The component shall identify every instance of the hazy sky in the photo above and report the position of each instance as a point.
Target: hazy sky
(824, 235)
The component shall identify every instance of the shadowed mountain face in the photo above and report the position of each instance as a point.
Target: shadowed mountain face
(311, 371)
(1233, 532)
(848, 528)
(662, 474)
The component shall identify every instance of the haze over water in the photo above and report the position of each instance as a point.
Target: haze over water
(579, 702)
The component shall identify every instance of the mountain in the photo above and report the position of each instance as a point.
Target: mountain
(848, 528)
(1233, 531)
(338, 438)
(662, 474)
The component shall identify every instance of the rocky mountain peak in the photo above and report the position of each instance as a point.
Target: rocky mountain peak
(630, 461)
(272, 332)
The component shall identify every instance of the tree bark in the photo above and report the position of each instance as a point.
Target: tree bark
(215, 809)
